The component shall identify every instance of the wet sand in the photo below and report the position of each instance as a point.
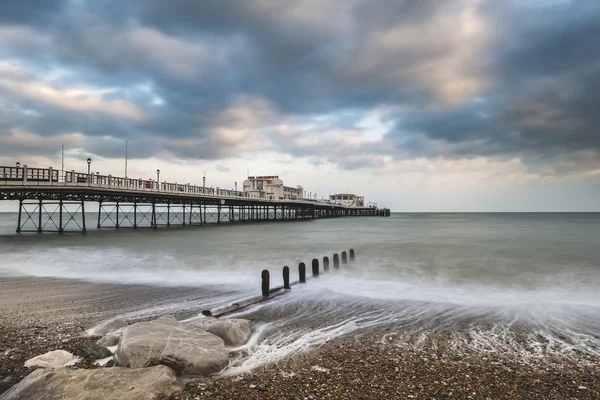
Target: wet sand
(43, 314)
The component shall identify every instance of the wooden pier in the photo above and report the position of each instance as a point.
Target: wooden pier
(50, 201)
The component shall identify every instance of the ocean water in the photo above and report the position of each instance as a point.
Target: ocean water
(521, 283)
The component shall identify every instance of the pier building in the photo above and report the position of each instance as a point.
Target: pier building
(347, 200)
(271, 187)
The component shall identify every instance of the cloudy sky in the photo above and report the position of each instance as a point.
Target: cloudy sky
(420, 105)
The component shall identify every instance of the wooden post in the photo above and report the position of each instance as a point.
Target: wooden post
(302, 272)
(326, 264)
(315, 267)
(266, 282)
(336, 261)
(286, 277)
(344, 258)
(351, 254)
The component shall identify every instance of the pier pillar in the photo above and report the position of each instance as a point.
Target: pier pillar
(302, 272)
(266, 282)
(344, 258)
(183, 219)
(117, 220)
(20, 212)
(60, 215)
(83, 230)
(218, 214)
(168, 214)
(315, 268)
(326, 264)
(153, 223)
(336, 261)
(99, 213)
(134, 215)
(286, 277)
(39, 229)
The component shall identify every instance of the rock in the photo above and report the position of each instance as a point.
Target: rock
(52, 359)
(234, 331)
(106, 327)
(93, 351)
(155, 383)
(186, 349)
(111, 339)
(207, 313)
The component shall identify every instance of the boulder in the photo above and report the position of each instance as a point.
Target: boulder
(186, 349)
(111, 339)
(155, 383)
(52, 359)
(107, 326)
(92, 351)
(234, 331)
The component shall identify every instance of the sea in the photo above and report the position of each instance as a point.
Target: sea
(522, 283)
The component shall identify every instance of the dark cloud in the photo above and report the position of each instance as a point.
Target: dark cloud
(455, 79)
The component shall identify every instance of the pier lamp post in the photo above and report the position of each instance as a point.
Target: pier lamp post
(18, 164)
(158, 179)
(89, 161)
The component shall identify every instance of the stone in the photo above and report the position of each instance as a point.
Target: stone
(233, 331)
(187, 349)
(52, 359)
(111, 339)
(107, 327)
(155, 383)
(93, 351)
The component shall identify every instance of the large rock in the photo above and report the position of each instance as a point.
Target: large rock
(111, 339)
(156, 383)
(52, 359)
(107, 327)
(93, 351)
(234, 332)
(186, 349)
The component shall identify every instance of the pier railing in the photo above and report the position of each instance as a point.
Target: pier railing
(25, 176)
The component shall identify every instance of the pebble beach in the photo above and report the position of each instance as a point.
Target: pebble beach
(40, 315)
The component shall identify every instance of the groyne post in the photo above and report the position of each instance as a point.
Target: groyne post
(302, 272)
(286, 277)
(351, 254)
(315, 267)
(266, 282)
(336, 261)
(344, 258)
(326, 264)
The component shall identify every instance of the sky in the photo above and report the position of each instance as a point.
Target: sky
(419, 105)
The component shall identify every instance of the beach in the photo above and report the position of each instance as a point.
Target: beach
(43, 314)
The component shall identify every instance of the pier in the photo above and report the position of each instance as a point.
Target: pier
(54, 201)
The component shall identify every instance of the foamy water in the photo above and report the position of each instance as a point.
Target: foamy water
(525, 284)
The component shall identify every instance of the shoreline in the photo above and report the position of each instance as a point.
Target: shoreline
(43, 314)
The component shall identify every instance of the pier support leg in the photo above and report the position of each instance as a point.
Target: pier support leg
(39, 229)
(20, 213)
(60, 217)
(154, 215)
(218, 214)
(183, 219)
(99, 213)
(134, 215)
(84, 230)
(168, 214)
(117, 220)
